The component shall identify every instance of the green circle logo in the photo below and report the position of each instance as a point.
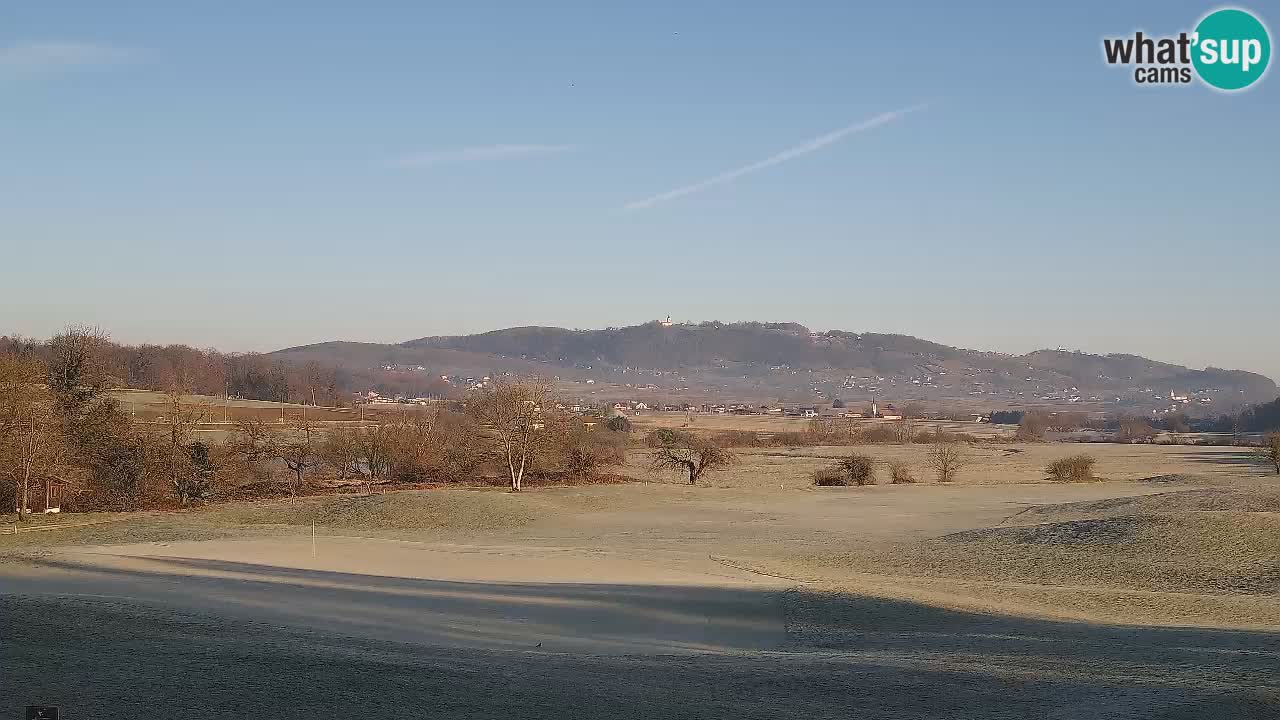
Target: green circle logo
(1232, 49)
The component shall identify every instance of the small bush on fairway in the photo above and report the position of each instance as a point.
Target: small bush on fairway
(853, 470)
(860, 469)
(1076, 468)
(830, 477)
(900, 473)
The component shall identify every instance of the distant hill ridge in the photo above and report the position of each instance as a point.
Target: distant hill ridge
(771, 354)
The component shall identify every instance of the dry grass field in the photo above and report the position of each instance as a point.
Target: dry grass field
(148, 405)
(984, 464)
(1152, 593)
(715, 422)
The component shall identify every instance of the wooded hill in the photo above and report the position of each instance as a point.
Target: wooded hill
(788, 356)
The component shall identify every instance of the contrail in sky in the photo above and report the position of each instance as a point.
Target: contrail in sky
(790, 153)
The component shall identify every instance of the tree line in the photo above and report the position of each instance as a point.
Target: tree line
(513, 429)
(1033, 424)
(1264, 417)
(211, 372)
(61, 430)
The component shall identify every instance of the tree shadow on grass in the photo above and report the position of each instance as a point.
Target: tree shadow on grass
(297, 643)
(1246, 460)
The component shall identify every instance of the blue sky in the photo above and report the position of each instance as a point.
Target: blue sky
(251, 175)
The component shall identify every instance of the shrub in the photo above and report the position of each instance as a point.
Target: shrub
(938, 435)
(1134, 430)
(1007, 417)
(337, 451)
(662, 437)
(900, 473)
(119, 476)
(830, 477)
(586, 452)
(1033, 426)
(902, 432)
(1075, 468)
(618, 423)
(853, 470)
(878, 434)
(860, 469)
(751, 438)
(461, 447)
(737, 438)
(807, 438)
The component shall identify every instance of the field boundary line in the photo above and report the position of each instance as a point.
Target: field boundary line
(737, 566)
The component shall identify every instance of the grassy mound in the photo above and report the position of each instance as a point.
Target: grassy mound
(1216, 541)
(1201, 552)
(1199, 500)
(1101, 531)
(1207, 540)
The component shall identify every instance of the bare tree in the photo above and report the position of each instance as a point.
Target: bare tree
(298, 446)
(176, 456)
(904, 430)
(316, 378)
(461, 445)
(20, 375)
(1270, 451)
(913, 411)
(77, 365)
(1035, 423)
(947, 459)
(414, 443)
(688, 453)
(295, 447)
(1135, 430)
(376, 447)
(1063, 421)
(33, 444)
(516, 413)
(340, 451)
(254, 444)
